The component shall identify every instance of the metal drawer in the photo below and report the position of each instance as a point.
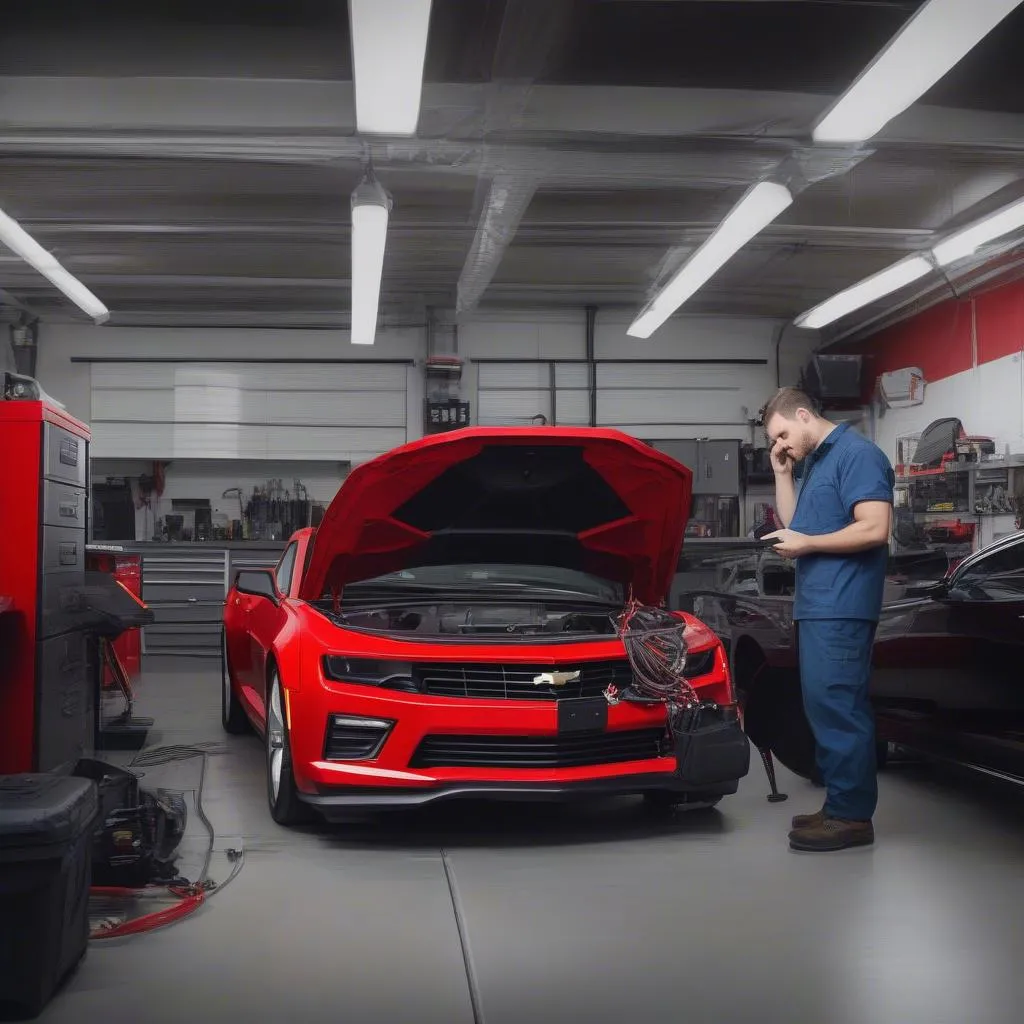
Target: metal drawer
(65, 456)
(63, 549)
(185, 592)
(196, 629)
(184, 564)
(193, 638)
(59, 601)
(63, 505)
(65, 702)
(201, 611)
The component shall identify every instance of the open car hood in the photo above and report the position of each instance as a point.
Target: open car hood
(581, 498)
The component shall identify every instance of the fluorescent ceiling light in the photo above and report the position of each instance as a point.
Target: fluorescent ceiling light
(865, 292)
(933, 41)
(20, 242)
(389, 46)
(754, 212)
(970, 239)
(370, 208)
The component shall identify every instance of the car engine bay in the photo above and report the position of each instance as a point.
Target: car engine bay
(495, 620)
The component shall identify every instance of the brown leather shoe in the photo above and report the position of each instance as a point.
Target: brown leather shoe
(832, 834)
(808, 820)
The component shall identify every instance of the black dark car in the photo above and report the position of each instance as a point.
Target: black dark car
(948, 664)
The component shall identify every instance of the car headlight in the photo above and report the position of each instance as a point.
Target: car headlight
(387, 674)
(699, 663)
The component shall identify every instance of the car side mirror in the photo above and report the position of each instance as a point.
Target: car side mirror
(257, 583)
(935, 589)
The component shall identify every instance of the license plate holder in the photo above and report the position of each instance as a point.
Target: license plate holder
(582, 714)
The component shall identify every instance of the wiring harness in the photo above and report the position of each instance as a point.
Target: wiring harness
(655, 643)
(656, 647)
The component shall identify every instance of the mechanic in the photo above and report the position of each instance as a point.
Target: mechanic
(837, 522)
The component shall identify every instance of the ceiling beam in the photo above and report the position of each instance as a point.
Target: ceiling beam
(9, 299)
(247, 108)
(531, 35)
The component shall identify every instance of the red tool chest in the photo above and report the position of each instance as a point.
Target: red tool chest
(46, 687)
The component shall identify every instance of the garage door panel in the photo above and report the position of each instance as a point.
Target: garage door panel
(346, 444)
(572, 375)
(177, 441)
(288, 377)
(340, 408)
(233, 441)
(676, 375)
(512, 407)
(615, 407)
(225, 411)
(573, 408)
(132, 376)
(133, 406)
(504, 376)
(191, 404)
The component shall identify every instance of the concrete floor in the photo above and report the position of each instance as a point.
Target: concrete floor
(513, 913)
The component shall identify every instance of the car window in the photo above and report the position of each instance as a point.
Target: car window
(996, 577)
(285, 568)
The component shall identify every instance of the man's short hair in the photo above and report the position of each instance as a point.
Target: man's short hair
(785, 403)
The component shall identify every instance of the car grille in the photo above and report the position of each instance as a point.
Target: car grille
(515, 682)
(577, 751)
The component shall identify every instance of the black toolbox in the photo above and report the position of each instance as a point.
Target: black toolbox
(46, 824)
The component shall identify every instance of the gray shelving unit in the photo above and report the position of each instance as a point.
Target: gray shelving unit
(185, 586)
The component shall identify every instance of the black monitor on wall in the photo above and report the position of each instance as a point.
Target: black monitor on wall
(833, 378)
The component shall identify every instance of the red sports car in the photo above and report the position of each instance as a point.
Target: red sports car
(449, 630)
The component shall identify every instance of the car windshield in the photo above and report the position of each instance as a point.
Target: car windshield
(540, 579)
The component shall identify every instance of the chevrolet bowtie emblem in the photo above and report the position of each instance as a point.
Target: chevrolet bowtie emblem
(555, 678)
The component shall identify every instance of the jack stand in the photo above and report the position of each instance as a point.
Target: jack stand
(127, 731)
(775, 797)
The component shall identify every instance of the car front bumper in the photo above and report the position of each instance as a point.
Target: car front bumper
(708, 762)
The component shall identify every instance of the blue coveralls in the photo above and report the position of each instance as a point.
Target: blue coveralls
(837, 607)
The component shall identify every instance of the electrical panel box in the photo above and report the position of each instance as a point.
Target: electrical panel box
(715, 464)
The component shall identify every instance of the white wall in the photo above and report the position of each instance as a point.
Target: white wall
(988, 399)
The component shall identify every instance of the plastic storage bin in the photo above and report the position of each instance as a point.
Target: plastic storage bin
(46, 826)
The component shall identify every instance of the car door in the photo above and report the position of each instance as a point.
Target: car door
(236, 636)
(955, 647)
(266, 618)
(986, 602)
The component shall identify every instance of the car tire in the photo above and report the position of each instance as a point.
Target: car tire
(667, 800)
(282, 795)
(774, 719)
(232, 714)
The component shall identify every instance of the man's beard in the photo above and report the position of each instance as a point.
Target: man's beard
(802, 448)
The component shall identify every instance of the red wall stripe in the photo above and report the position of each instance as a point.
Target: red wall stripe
(1000, 322)
(939, 340)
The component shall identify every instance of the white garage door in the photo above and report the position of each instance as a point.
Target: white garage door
(645, 399)
(317, 411)
(656, 400)
(511, 394)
